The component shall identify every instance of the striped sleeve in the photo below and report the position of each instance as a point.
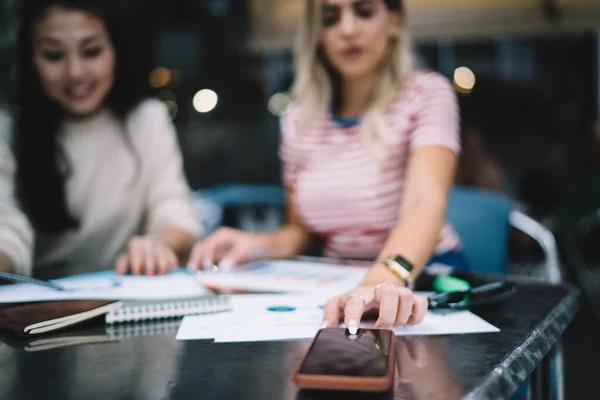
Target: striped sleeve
(287, 149)
(436, 120)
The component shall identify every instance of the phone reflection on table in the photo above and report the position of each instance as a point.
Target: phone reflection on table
(340, 395)
(416, 376)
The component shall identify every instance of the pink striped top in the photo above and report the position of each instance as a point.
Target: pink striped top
(338, 191)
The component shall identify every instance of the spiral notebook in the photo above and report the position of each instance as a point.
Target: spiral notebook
(133, 311)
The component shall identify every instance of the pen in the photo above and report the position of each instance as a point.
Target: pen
(31, 281)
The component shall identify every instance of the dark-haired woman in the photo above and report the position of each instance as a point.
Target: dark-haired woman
(90, 170)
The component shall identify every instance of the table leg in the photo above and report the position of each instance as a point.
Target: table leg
(541, 382)
(558, 371)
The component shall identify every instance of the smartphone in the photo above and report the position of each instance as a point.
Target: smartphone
(338, 360)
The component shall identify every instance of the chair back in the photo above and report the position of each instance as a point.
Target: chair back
(481, 220)
(252, 208)
(246, 195)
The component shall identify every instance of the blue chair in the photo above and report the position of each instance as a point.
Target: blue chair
(245, 195)
(483, 220)
(244, 199)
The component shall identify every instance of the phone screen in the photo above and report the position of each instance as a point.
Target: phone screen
(336, 352)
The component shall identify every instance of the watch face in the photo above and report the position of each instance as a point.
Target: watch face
(404, 263)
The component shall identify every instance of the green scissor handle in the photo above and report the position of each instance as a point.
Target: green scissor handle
(447, 283)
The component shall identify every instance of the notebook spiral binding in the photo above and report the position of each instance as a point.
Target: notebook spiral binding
(143, 328)
(169, 309)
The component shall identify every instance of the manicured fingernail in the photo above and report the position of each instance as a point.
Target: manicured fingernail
(152, 273)
(353, 327)
(207, 264)
(191, 267)
(226, 264)
(324, 325)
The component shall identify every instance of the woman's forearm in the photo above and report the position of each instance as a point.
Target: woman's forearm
(414, 238)
(287, 242)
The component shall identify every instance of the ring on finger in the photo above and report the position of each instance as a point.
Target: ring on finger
(148, 248)
(383, 285)
(354, 295)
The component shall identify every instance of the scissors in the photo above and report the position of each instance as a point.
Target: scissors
(464, 299)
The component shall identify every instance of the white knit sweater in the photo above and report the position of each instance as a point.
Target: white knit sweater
(114, 194)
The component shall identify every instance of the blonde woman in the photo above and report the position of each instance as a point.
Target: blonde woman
(369, 152)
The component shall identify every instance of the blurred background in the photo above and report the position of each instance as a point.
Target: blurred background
(223, 68)
(530, 118)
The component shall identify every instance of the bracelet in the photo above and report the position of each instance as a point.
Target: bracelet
(397, 269)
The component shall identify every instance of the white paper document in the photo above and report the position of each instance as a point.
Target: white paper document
(109, 286)
(286, 276)
(297, 317)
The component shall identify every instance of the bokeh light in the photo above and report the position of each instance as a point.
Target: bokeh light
(464, 80)
(160, 77)
(279, 103)
(205, 100)
(171, 107)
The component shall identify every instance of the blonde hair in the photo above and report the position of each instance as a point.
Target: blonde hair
(313, 87)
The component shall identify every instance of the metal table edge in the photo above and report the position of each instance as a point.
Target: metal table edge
(513, 371)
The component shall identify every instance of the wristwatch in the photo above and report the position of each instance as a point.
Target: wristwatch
(401, 267)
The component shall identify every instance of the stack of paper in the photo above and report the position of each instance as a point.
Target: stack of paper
(288, 317)
(107, 285)
(287, 277)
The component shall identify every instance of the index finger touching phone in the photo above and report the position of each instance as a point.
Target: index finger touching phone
(356, 303)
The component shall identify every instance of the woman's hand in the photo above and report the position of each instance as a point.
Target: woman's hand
(396, 305)
(228, 247)
(146, 255)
